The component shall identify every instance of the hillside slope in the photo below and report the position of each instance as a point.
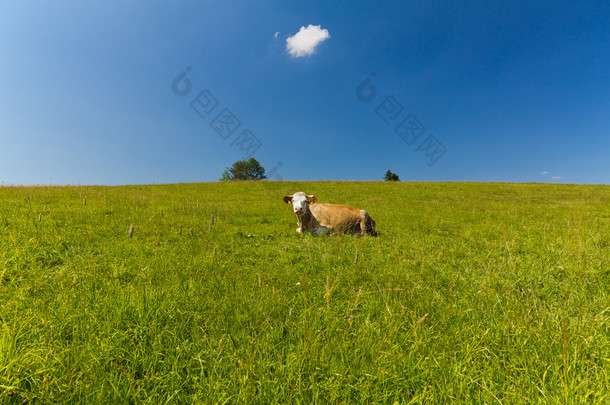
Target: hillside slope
(486, 293)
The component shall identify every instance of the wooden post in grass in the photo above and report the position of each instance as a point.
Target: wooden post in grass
(180, 230)
(39, 217)
(131, 231)
(356, 258)
(85, 201)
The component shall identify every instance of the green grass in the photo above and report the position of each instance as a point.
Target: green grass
(473, 293)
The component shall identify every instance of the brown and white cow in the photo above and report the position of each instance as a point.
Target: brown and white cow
(323, 218)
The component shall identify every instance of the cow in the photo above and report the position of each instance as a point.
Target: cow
(318, 218)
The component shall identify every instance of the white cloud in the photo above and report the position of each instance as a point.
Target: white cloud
(276, 34)
(304, 42)
(556, 177)
(544, 173)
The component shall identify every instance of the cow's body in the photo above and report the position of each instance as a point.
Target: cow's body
(323, 218)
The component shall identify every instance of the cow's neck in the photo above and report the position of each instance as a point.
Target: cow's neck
(307, 221)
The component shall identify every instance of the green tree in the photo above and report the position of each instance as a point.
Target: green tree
(389, 176)
(249, 169)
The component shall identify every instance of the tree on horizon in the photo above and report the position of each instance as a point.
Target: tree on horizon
(249, 169)
(389, 176)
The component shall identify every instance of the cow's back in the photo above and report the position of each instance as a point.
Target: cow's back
(336, 216)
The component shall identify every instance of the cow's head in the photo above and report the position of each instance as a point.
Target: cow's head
(299, 202)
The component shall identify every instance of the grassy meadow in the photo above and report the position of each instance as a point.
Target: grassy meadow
(472, 293)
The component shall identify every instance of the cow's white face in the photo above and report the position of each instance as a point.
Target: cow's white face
(299, 202)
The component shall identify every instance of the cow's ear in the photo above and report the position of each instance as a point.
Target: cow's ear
(312, 199)
(287, 199)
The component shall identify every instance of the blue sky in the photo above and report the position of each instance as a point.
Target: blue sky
(480, 91)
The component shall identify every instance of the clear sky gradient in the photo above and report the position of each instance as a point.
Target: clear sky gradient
(476, 91)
